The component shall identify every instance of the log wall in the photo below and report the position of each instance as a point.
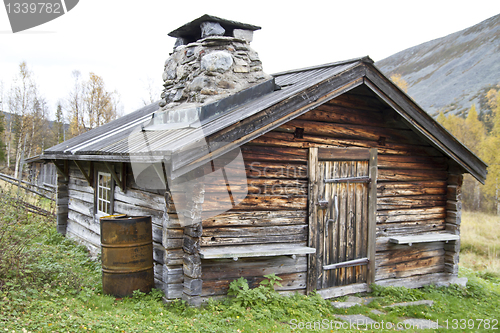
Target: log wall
(417, 192)
(414, 195)
(83, 226)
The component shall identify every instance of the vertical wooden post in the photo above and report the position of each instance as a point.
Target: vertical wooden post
(372, 214)
(62, 197)
(191, 241)
(453, 219)
(313, 266)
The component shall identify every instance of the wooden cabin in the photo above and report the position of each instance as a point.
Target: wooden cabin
(346, 181)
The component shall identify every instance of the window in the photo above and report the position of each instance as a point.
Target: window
(104, 193)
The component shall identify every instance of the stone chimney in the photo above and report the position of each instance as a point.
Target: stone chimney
(212, 59)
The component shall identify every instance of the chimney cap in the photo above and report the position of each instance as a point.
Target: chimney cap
(191, 31)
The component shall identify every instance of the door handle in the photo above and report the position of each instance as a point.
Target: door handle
(334, 212)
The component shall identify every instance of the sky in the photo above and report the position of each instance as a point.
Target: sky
(127, 42)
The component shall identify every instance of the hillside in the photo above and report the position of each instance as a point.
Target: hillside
(451, 72)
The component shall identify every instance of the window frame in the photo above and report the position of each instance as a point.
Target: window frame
(99, 198)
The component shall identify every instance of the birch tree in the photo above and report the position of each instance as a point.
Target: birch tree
(90, 104)
(25, 104)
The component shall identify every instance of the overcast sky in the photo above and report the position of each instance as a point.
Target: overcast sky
(126, 42)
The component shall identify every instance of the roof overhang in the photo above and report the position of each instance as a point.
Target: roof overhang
(319, 86)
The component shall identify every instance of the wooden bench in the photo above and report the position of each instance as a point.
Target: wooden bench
(243, 251)
(424, 238)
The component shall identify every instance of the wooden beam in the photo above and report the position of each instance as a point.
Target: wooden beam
(348, 180)
(88, 176)
(424, 238)
(343, 154)
(114, 175)
(372, 214)
(63, 170)
(314, 237)
(350, 263)
(266, 250)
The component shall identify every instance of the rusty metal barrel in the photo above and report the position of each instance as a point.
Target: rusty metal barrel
(127, 254)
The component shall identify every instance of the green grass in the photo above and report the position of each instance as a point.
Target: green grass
(57, 288)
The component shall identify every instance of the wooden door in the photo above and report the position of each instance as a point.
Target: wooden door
(342, 204)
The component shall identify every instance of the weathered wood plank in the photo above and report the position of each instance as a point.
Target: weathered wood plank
(83, 233)
(141, 198)
(408, 175)
(257, 218)
(132, 210)
(258, 202)
(85, 221)
(388, 189)
(390, 258)
(245, 251)
(313, 263)
(410, 268)
(406, 228)
(417, 201)
(81, 207)
(291, 281)
(284, 138)
(424, 238)
(223, 232)
(384, 245)
(214, 241)
(82, 196)
(351, 131)
(343, 154)
(173, 256)
(260, 169)
(214, 269)
(419, 281)
(260, 153)
(338, 114)
(407, 215)
(411, 162)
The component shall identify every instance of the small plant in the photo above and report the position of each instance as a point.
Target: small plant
(246, 297)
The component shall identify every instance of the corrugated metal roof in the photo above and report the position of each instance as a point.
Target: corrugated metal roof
(124, 135)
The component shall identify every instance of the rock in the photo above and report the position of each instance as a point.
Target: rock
(218, 61)
(211, 29)
(178, 95)
(355, 299)
(225, 85)
(344, 305)
(241, 69)
(246, 35)
(179, 41)
(206, 91)
(424, 302)
(199, 83)
(357, 319)
(377, 312)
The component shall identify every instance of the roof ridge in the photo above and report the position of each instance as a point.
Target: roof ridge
(365, 59)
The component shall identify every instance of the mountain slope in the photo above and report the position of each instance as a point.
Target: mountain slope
(450, 72)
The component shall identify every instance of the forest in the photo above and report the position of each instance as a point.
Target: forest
(28, 125)
(480, 132)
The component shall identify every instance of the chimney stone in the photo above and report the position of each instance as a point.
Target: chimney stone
(211, 29)
(212, 59)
